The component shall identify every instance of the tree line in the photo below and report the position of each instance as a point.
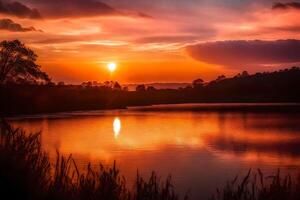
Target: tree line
(26, 89)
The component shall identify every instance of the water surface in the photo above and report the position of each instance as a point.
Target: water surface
(201, 149)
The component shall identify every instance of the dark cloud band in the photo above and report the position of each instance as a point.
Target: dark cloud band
(284, 6)
(241, 52)
(9, 25)
(19, 10)
(74, 8)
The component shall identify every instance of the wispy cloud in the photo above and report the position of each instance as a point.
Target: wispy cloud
(74, 8)
(167, 39)
(285, 6)
(150, 33)
(9, 25)
(19, 10)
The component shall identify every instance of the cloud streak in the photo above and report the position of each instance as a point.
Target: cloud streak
(9, 25)
(242, 52)
(167, 39)
(151, 34)
(285, 6)
(74, 8)
(19, 10)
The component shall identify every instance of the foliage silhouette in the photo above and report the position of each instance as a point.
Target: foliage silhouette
(17, 64)
(27, 173)
(278, 86)
(140, 88)
(257, 186)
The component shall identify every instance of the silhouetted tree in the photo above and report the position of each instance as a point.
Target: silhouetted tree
(220, 78)
(198, 83)
(95, 83)
(278, 86)
(125, 88)
(117, 86)
(151, 88)
(245, 74)
(109, 84)
(61, 83)
(140, 88)
(17, 63)
(89, 84)
(241, 75)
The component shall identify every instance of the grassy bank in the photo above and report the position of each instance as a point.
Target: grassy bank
(256, 186)
(26, 173)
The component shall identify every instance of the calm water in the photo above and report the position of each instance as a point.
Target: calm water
(200, 149)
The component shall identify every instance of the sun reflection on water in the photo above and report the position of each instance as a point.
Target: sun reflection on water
(117, 127)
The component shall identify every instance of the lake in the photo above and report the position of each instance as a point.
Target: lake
(200, 148)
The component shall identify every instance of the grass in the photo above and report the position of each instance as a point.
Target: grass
(26, 173)
(257, 186)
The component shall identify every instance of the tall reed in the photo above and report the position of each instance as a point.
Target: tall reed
(26, 173)
(257, 186)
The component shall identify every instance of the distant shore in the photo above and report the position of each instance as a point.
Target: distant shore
(269, 87)
(186, 107)
(223, 107)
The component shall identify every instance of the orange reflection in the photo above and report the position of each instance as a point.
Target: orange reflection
(183, 144)
(234, 137)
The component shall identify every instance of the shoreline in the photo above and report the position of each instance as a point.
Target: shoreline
(176, 107)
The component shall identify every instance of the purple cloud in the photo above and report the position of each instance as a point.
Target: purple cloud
(19, 10)
(9, 25)
(241, 52)
(74, 8)
(284, 6)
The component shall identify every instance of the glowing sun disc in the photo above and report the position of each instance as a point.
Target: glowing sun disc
(112, 66)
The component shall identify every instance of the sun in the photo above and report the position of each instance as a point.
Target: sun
(112, 66)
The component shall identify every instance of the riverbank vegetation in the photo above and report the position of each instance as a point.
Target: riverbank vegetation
(26, 89)
(279, 86)
(257, 186)
(27, 173)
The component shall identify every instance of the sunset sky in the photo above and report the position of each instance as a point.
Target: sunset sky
(154, 40)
